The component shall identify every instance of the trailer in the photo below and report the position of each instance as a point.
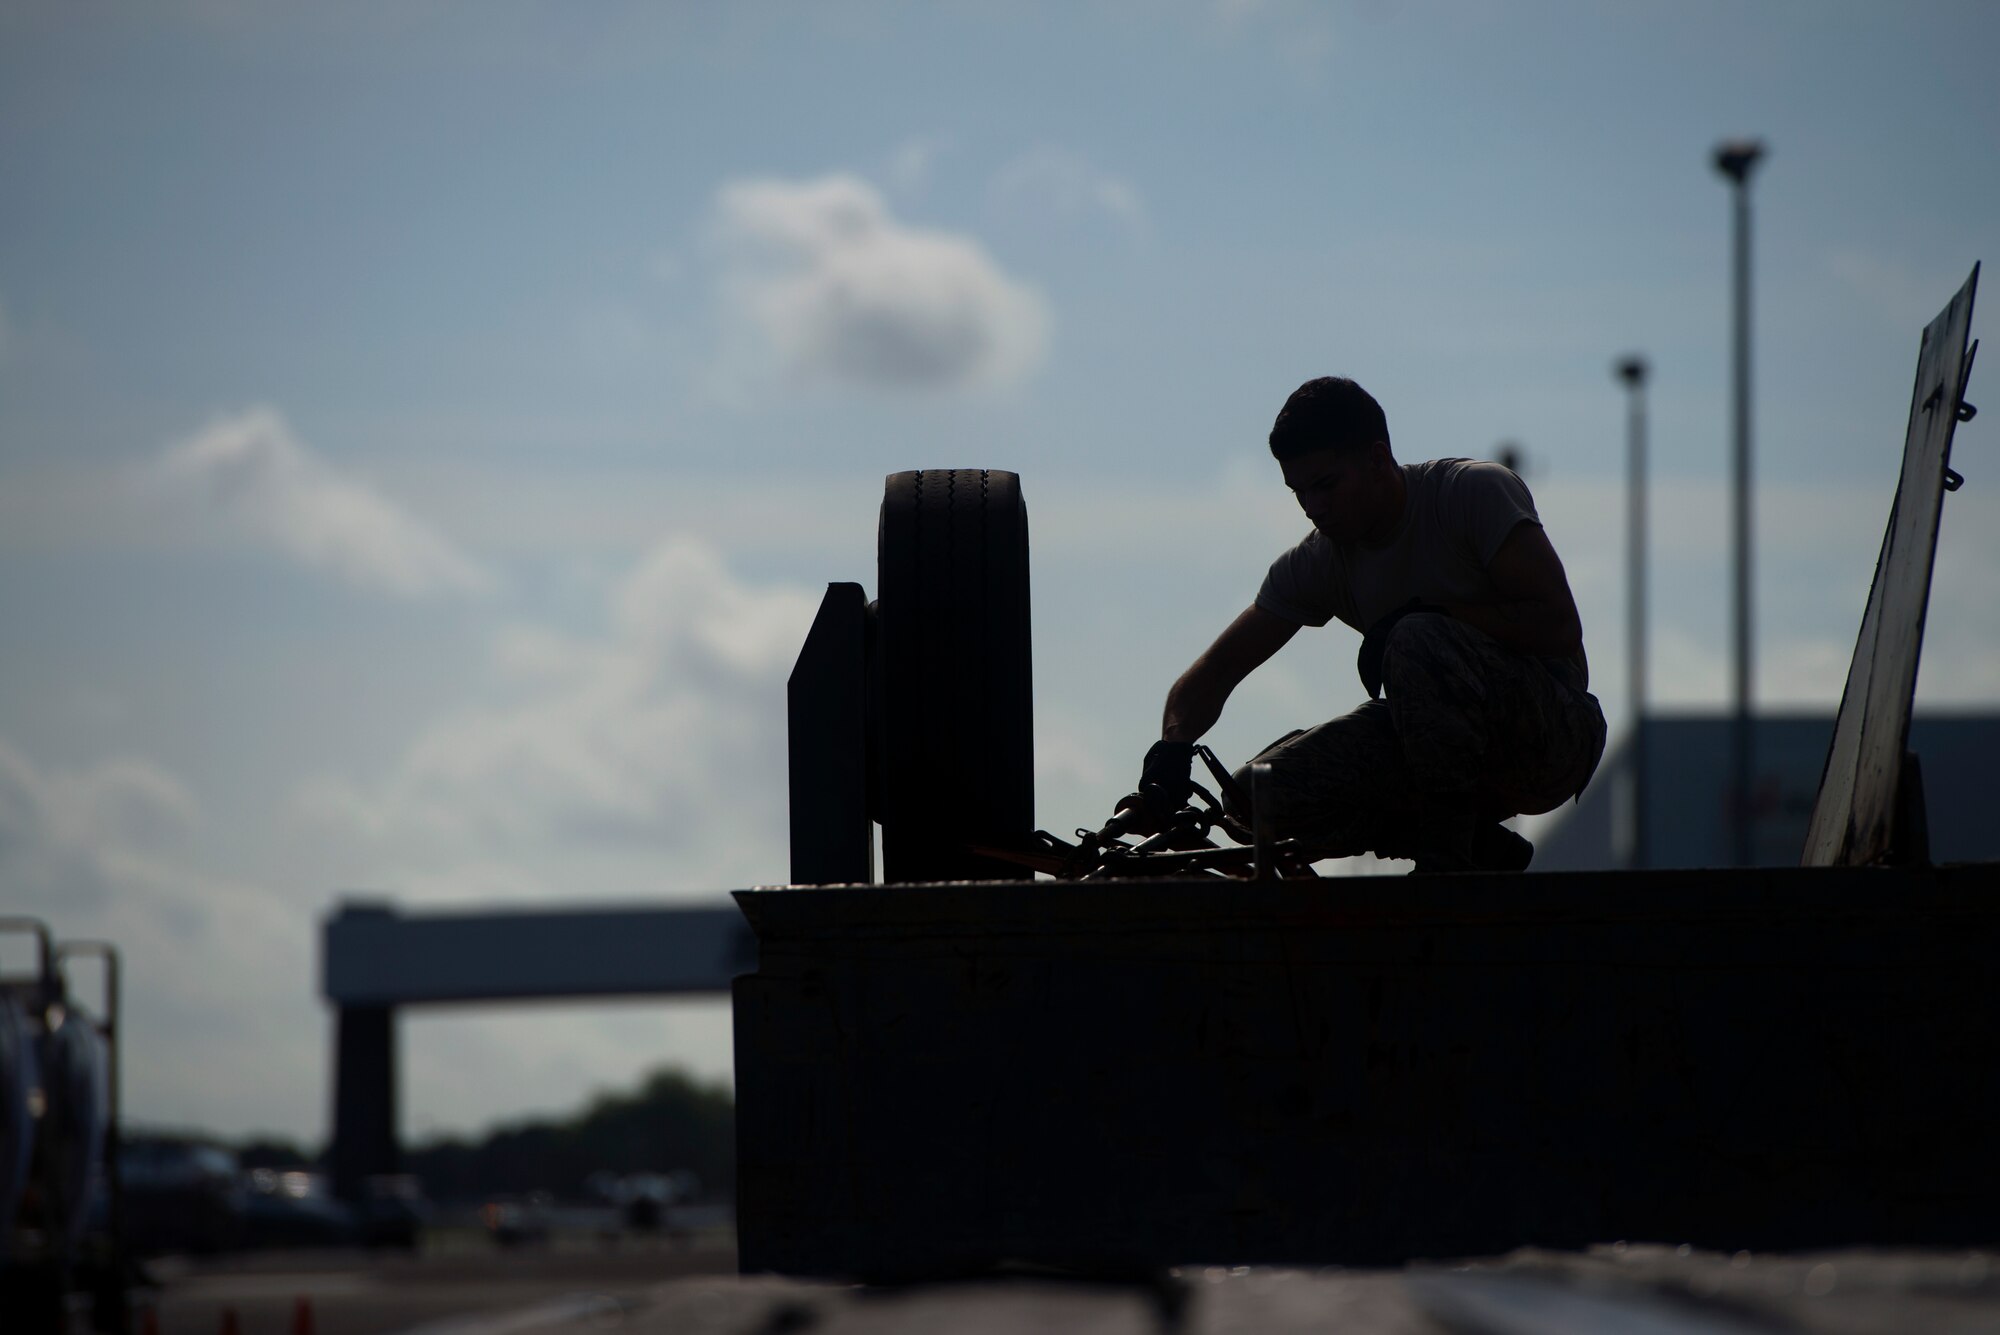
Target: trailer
(963, 1068)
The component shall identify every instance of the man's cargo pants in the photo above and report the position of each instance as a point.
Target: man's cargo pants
(1467, 731)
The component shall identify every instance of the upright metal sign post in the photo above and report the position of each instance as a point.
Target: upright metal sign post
(1735, 159)
(1632, 371)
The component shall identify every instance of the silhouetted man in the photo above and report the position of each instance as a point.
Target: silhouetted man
(1472, 655)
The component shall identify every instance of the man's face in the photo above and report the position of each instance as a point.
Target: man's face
(1339, 490)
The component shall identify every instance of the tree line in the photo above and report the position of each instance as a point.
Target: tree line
(671, 1121)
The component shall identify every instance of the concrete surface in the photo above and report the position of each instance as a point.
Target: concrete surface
(1609, 1290)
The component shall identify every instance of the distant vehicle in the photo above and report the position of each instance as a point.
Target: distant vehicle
(648, 1195)
(516, 1221)
(393, 1211)
(181, 1195)
(186, 1195)
(294, 1208)
(645, 1201)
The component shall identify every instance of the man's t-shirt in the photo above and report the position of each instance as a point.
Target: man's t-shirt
(1456, 514)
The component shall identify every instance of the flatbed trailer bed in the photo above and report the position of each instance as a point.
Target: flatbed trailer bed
(1112, 1076)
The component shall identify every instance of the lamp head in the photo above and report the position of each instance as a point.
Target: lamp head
(1735, 157)
(1631, 369)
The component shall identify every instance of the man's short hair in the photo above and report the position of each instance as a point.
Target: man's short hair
(1331, 412)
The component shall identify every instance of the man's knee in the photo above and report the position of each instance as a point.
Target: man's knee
(1281, 776)
(1423, 644)
(1348, 764)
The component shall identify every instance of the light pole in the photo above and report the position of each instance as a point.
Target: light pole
(1631, 370)
(1735, 159)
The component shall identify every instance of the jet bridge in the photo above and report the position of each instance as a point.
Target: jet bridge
(376, 959)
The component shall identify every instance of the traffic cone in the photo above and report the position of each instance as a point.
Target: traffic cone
(230, 1325)
(302, 1316)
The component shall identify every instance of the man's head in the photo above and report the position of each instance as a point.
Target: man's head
(1331, 412)
(1332, 441)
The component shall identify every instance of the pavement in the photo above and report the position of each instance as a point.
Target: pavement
(652, 1287)
(460, 1284)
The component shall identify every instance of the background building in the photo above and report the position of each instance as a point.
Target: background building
(1687, 793)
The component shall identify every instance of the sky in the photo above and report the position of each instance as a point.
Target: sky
(426, 428)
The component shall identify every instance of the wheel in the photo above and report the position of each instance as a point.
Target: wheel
(956, 716)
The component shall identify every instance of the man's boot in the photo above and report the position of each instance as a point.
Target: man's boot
(1455, 843)
(1498, 848)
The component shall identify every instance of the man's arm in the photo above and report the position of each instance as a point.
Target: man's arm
(1195, 702)
(1532, 610)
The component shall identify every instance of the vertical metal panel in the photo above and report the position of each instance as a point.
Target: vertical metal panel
(826, 700)
(1854, 816)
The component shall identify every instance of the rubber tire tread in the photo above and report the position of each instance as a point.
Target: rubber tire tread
(957, 712)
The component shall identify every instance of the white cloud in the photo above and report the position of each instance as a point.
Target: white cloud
(645, 759)
(910, 164)
(830, 281)
(1301, 32)
(666, 732)
(1064, 757)
(1063, 185)
(67, 838)
(267, 479)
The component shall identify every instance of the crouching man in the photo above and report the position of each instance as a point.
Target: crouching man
(1472, 653)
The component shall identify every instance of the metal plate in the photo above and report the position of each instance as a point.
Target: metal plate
(1853, 819)
(826, 704)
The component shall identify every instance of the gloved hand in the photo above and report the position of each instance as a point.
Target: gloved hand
(1164, 783)
(1130, 817)
(1369, 661)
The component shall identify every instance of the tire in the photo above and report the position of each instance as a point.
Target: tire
(956, 740)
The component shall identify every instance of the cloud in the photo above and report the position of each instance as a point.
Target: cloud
(827, 279)
(259, 473)
(644, 757)
(213, 968)
(665, 732)
(224, 1028)
(1301, 32)
(1062, 185)
(910, 165)
(66, 839)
